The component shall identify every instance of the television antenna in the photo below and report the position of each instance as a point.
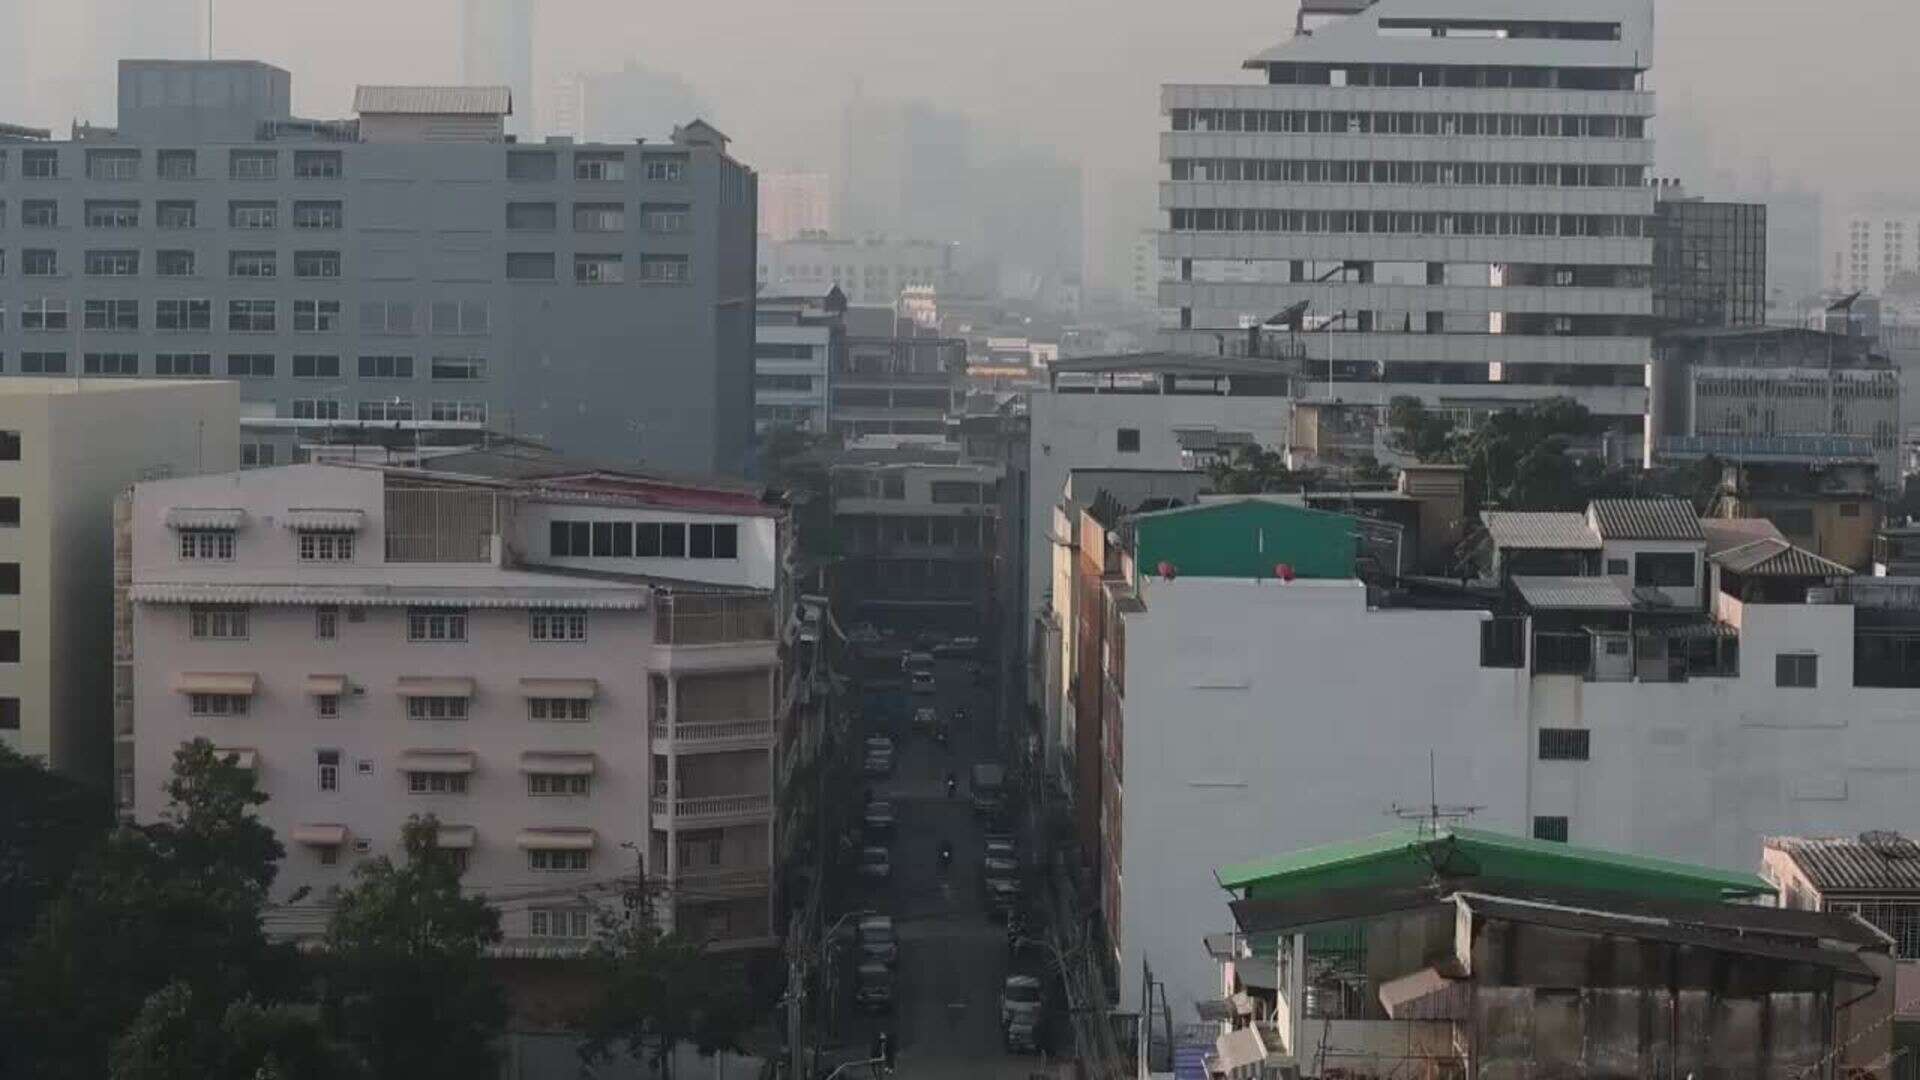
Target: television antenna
(1433, 817)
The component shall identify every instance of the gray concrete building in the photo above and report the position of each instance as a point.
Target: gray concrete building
(413, 269)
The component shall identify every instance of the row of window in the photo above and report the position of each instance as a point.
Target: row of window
(603, 268)
(266, 366)
(596, 165)
(1399, 223)
(45, 262)
(599, 217)
(439, 707)
(447, 317)
(124, 164)
(228, 622)
(324, 214)
(1342, 122)
(642, 540)
(1457, 173)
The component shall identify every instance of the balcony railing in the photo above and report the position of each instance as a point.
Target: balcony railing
(712, 806)
(698, 731)
(723, 879)
(712, 620)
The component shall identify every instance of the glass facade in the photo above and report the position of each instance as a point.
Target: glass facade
(1709, 263)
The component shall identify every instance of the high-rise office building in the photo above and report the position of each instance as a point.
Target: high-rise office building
(1457, 193)
(1709, 260)
(408, 269)
(496, 49)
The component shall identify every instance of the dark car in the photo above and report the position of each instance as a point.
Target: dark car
(876, 864)
(879, 818)
(1002, 896)
(875, 988)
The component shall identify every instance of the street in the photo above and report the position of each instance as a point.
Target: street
(953, 958)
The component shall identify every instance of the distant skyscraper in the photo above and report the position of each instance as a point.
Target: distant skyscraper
(563, 109)
(792, 203)
(636, 102)
(496, 49)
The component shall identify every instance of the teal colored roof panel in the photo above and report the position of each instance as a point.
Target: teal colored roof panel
(1246, 538)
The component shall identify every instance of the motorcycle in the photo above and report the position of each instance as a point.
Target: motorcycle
(952, 785)
(946, 856)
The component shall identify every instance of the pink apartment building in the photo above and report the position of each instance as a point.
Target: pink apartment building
(577, 672)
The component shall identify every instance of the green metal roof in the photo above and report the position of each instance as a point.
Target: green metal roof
(1246, 538)
(1415, 853)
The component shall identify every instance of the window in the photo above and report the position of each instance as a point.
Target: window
(316, 316)
(386, 317)
(530, 265)
(1849, 509)
(558, 626)
(112, 363)
(47, 314)
(253, 264)
(110, 314)
(9, 446)
(39, 262)
(556, 784)
(112, 214)
(437, 783)
(599, 217)
(113, 164)
(9, 646)
(309, 214)
(603, 269)
(713, 541)
(250, 365)
(437, 708)
(667, 169)
(326, 622)
(112, 263)
(430, 624)
(326, 706)
(209, 622)
(9, 511)
(253, 164)
(39, 164)
(1127, 440)
(326, 547)
(9, 579)
(307, 366)
(541, 708)
(218, 704)
(1798, 670)
(329, 761)
(531, 216)
(9, 714)
(541, 859)
(316, 264)
(183, 314)
(664, 217)
(1550, 828)
(175, 263)
(256, 455)
(316, 164)
(573, 924)
(669, 269)
(178, 164)
(253, 215)
(250, 316)
(460, 317)
(600, 166)
(531, 165)
(388, 410)
(386, 367)
(458, 368)
(39, 214)
(569, 539)
(43, 363)
(461, 412)
(1669, 570)
(182, 363)
(1564, 744)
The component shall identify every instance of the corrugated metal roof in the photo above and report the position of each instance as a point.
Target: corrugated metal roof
(1646, 519)
(1536, 529)
(1872, 862)
(1777, 558)
(434, 100)
(1573, 593)
(1725, 533)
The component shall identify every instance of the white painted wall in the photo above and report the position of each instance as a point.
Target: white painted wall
(755, 567)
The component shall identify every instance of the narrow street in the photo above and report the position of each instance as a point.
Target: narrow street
(953, 957)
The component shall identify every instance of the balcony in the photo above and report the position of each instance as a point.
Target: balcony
(731, 734)
(711, 881)
(713, 620)
(712, 809)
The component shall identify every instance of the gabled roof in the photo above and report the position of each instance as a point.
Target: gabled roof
(1551, 593)
(434, 100)
(1725, 533)
(1646, 519)
(699, 131)
(1777, 558)
(1870, 862)
(1540, 530)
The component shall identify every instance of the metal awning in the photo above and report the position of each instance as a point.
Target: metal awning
(558, 762)
(437, 761)
(242, 757)
(320, 835)
(318, 520)
(1555, 593)
(242, 683)
(205, 517)
(455, 837)
(326, 685)
(556, 839)
(560, 688)
(1238, 1049)
(435, 686)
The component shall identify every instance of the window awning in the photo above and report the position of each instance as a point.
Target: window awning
(243, 757)
(319, 520)
(320, 835)
(326, 685)
(454, 837)
(556, 839)
(242, 683)
(205, 517)
(437, 761)
(560, 688)
(558, 762)
(435, 686)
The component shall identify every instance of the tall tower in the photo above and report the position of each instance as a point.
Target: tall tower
(496, 49)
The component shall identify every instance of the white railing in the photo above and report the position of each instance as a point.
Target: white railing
(713, 805)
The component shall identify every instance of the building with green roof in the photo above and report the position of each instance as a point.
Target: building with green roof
(1246, 538)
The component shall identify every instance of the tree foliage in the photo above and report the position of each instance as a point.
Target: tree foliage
(1256, 470)
(181, 1036)
(659, 989)
(407, 978)
(795, 462)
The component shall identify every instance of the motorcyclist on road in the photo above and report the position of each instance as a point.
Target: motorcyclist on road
(946, 853)
(952, 783)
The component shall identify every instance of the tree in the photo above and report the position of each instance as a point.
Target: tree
(178, 1036)
(1255, 470)
(408, 984)
(1424, 436)
(795, 462)
(176, 901)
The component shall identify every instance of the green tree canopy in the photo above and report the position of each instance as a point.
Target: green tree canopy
(657, 990)
(179, 1036)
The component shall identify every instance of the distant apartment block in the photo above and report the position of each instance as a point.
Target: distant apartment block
(66, 449)
(798, 342)
(919, 535)
(795, 204)
(1871, 249)
(408, 269)
(576, 671)
(872, 270)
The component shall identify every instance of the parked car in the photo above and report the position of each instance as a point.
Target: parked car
(1002, 896)
(925, 718)
(877, 765)
(875, 992)
(1020, 997)
(879, 818)
(876, 864)
(923, 682)
(879, 744)
(1023, 1035)
(960, 646)
(999, 865)
(877, 942)
(916, 661)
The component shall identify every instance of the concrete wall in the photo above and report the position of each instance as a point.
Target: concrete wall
(755, 567)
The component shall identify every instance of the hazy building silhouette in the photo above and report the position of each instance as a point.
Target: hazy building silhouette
(496, 49)
(636, 102)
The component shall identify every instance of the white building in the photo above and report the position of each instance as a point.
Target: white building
(795, 342)
(872, 270)
(1869, 250)
(66, 449)
(524, 654)
(1456, 192)
(1247, 715)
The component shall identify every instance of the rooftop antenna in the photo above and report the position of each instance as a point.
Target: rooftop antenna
(1433, 816)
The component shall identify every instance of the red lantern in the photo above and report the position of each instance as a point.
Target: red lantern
(1166, 570)
(1283, 571)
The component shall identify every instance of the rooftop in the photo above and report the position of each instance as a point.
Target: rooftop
(434, 100)
(1777, 558)
(1540, 529)
(1870, 862)
(1551, 593)
(1725, 533)
(1646, 519)
(1168, 363)
(535, 466)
